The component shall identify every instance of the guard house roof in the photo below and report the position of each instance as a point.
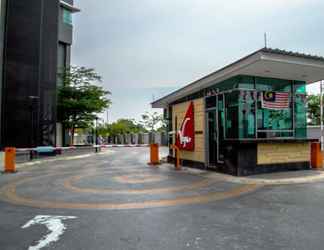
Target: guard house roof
(266, 62)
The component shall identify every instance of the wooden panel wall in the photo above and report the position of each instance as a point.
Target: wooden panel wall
(270, 153)
(178, 113)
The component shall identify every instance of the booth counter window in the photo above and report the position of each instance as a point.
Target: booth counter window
(232, 118)
(245, 118)
(300, 110)
(274, 123)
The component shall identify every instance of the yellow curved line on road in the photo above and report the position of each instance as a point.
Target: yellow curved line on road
(139, 178)
(10, 195)
(68, 184)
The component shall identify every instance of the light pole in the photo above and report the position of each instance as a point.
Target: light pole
(33, 100)
(96, 135)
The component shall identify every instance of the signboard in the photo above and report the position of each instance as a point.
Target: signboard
(185, 138)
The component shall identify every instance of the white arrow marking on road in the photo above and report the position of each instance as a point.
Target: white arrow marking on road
(54, 225)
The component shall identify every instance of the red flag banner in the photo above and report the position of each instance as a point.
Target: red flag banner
(275, 100)
(185, 138)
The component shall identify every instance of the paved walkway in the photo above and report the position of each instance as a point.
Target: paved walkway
(114, 200)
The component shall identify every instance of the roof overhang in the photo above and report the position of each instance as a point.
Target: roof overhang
(263, 63)
(69, 7)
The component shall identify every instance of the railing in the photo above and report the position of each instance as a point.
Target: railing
(139, 139)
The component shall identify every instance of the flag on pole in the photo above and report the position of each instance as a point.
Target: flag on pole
(275, 100)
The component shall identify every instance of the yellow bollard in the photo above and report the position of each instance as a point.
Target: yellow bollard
(316, 156)
(177, 160)
(10, 160)
(154, 154)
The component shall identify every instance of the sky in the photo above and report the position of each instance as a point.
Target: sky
(146, 49)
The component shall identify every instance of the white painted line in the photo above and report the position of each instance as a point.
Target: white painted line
(53, 223)
(124, 145)
(77, 157)
(32, 163)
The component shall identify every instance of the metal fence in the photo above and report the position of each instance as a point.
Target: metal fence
(141, 138)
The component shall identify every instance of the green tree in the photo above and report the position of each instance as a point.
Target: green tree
(121, 126)
(80, 98)
(313, 109)
(103, 130)
(153, 121)
(126, 126)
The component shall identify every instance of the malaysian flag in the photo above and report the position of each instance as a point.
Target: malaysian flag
(275, 100)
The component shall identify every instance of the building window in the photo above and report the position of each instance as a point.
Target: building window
(232, 111)
(300, 109)
(274, 123)
(61, 62)
(67, 16)
(246, 118)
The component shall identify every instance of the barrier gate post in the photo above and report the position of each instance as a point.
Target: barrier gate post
(177, 158)
(316, 155)
(10, 160)
(154, 154)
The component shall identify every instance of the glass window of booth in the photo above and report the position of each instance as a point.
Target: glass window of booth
(300, 109)
(245, 117)
(232, 110)
(274, 123)
(247, 104)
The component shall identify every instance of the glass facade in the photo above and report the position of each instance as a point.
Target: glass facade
(61, 62)
(244, 115)
(232, 111)
(300, 109)
(29, 87)
(67, 16)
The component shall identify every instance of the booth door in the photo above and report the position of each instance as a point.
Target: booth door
(212, 137)
(220, 127)
(215, 126)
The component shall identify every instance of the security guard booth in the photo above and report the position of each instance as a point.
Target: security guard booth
(249, 117)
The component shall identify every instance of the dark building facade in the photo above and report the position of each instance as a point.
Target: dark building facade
(30, 53)
(65, 39)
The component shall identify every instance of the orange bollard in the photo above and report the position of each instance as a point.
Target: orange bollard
(316, 155)
(10, 160)
(177, 160)
(154, 154)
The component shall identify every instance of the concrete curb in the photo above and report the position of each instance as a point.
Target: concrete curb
(258, 181)
(283, 181)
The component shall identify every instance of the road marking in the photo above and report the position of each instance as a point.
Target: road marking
(53, 223)
(69, 184)
(139, 178)
(10, 195)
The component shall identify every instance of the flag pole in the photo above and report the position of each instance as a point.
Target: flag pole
(265, 40)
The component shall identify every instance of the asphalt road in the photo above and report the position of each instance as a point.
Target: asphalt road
(115, 201)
